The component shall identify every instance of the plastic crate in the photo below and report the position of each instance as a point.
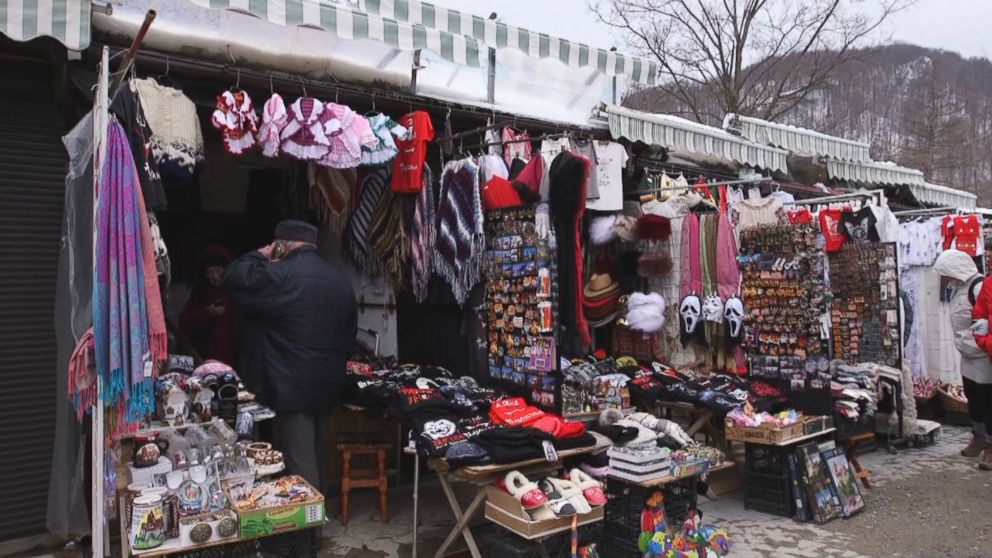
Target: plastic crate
(766, 460)
(292, 544)
(622, 515)
(769, 493)
(611, 546)
(500, 543)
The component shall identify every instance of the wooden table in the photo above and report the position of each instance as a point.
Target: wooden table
(701, 419)
(483, 475)
(851, 451)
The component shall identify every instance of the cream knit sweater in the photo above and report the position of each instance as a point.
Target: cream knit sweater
(176, 132)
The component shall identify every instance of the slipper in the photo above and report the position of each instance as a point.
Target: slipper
(558, 503)
(570, 490)
(526, 492)
(592, 490)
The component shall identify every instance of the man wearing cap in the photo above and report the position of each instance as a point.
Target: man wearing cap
(299, 326)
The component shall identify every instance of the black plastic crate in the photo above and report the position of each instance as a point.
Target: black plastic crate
(500, 543)
(617, 546)
(766, 460)
(626, 502)
(847, 428)
(769, 493)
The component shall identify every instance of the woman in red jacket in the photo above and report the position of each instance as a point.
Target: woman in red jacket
(980, 394)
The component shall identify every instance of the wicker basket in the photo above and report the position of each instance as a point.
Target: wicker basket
(949, 403)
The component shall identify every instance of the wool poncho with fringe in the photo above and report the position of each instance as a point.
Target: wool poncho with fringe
(461, 239)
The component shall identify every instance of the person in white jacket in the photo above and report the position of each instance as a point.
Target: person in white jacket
(976, 368)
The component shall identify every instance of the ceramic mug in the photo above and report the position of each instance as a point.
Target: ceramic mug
(147, 522)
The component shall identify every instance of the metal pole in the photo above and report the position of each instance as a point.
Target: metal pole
(100, 120)
(132, 51)
(413, 71)
(491, 90)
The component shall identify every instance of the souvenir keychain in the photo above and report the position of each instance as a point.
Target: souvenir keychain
(544, 317)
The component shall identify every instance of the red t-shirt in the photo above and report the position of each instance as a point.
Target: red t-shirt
(408, 166)
(829, 226)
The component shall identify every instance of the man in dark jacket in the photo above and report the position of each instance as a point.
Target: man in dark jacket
(300, 320)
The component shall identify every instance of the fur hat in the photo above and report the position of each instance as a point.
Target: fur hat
(624, 227)
(655, 264)
(601, 229)
(653, 227)
(646, 312)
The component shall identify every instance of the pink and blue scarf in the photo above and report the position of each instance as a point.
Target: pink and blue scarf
(120, 315)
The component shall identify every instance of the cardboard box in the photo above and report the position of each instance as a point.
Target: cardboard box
(764, 434)
(266, 521)
(503, 509)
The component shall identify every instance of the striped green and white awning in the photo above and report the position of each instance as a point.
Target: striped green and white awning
(455, 36)
(68, 21)
(495, 34)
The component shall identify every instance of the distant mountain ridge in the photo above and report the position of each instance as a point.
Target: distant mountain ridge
(922, 108)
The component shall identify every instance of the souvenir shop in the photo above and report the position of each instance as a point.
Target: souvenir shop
(585, 326)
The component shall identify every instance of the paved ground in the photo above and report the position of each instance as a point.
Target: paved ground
(926, 502)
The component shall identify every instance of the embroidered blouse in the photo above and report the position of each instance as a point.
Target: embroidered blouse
(385, 149)
(303, 136)
(348, 133)
(274, 118)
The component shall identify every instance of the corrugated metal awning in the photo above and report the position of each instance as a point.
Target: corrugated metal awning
(943, 196)
(680, 134)
(797, 140)
(456, 36)
(67, 21)
(873, 172)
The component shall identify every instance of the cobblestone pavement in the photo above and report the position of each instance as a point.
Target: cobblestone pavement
(926, 502)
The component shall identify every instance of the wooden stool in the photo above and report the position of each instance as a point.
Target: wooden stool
(363, 477)
(851, 451)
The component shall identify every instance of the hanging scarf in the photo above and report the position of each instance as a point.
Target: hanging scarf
(330, 193)
(728, 275)
(569, 176)
(158, 335)
(120, 316)
(356, 234)
(82, 375)
(390, 246)
(423, 235)
(460, 236)
(690, 275)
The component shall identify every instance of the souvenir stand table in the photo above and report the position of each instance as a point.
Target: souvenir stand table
(482, 476)
(757, 473)
(701, 419)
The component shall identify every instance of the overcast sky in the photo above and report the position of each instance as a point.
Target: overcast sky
(960, 26)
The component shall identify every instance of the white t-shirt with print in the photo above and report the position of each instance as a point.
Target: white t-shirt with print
(611, 158)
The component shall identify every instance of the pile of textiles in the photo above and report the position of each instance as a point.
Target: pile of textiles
(854, 389)
(592, 385)
(456, 418)
(720, 392)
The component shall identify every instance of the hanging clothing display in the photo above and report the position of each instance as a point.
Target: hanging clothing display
(348, 133)
(611, 159)
(303, 136)
(330, 194)
(691, 278)
(570, 174)
(128, 322)
(408, 166)
(274, 119)
(387, 131)
(236, 120)
(516, 145)
(753, 213)
(127, 108)
(355, 242)
(177, 139)
(389, 242)
(423, 237)
(860, 225)
(584, 147)
(460, 235)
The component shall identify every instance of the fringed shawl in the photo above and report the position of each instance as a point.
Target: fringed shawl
(423, 236)
(356, 235)
(460, 236)
(390, 245)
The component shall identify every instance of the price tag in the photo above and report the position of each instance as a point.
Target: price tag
(147, 372)
(549, 452)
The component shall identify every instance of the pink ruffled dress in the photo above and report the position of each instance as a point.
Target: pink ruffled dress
(303, 136)
(348, 133)
(274, 118)
(236, 120)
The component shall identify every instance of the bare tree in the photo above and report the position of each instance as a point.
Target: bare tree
(745, 53)
(935, 129)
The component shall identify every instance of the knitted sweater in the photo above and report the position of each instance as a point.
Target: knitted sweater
(176, 132)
